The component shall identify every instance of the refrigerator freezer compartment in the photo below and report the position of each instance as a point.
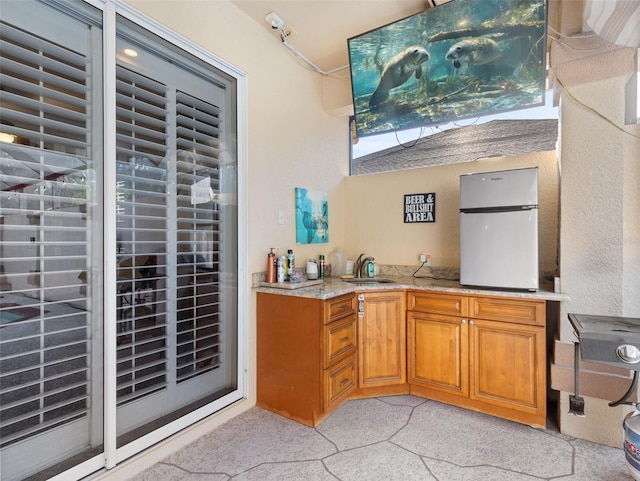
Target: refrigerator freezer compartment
(505, 188)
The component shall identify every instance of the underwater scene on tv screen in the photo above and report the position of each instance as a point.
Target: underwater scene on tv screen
(463, 59)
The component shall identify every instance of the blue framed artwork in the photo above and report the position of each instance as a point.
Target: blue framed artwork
(312, 216)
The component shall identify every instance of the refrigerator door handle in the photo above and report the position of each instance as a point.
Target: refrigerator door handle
(489, 210)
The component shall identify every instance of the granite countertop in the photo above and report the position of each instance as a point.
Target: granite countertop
(333, 286)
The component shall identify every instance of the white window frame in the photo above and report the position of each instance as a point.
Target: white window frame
(113, 455)
(116, 455)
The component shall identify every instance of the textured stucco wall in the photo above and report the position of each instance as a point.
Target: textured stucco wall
(631, 232)
(599, 235)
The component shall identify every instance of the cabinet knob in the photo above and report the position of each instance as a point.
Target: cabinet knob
(464, 321)
(471, 323)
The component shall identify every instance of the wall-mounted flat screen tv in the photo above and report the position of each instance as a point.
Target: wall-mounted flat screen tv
(459, 60)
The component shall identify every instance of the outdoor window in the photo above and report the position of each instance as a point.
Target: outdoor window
(506, 134)
(166, 341)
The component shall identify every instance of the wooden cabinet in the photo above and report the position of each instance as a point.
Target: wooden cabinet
(438, 342)
(505, 367)
(382, 343)
(438, 353)
(306, 355)
(482, 353)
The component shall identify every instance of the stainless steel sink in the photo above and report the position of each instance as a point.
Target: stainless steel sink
(369, 280)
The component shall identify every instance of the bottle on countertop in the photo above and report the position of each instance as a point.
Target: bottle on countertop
(371, 269)
(280, 272)
(291, 263)
(321, 266)
(271, 267)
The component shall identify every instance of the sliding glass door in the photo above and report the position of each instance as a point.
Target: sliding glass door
(175, 258)
(51, 347)
(152, 219)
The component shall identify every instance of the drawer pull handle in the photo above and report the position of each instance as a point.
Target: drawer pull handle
(343, 382)
(344, 339)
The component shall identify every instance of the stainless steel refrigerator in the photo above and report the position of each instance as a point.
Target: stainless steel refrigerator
(499, 229)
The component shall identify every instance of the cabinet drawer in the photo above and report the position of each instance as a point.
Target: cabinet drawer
(340, 307)
(447, 304)
(339, 340)
(339, 380)
(521, 311)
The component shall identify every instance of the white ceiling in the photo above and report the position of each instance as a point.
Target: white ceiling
(321, 27)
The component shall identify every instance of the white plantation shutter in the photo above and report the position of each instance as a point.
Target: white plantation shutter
(198, 177)
(45, 89)
(47, 196)
(167, 232)
(143, 192)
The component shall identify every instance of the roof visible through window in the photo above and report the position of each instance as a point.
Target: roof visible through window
(509, 133)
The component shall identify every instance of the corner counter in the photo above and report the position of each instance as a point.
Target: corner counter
(333, 286)
(481, 349)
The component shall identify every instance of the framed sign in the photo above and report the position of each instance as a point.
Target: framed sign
(419, 208)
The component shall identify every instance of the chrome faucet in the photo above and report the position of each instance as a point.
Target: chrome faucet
(360, 263)
(358, 266)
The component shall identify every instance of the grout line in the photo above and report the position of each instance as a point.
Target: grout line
(177, 466)
(407, 416)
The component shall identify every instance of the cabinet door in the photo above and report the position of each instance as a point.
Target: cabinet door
(507, 363)
(438, 352)
(382, 339)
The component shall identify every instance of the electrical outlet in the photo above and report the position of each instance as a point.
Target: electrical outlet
(425, 259)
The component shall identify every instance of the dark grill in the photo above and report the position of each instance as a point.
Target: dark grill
(609, 340)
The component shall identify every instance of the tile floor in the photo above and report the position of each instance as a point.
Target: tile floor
(402, 438)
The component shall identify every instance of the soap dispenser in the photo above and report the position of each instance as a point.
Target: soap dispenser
(371, 269)
(271, 266)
